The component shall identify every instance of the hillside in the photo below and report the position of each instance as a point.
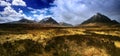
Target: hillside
(99, 20)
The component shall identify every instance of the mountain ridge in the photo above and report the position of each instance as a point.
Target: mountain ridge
(21, 21)
(96, 20)
(99, 20)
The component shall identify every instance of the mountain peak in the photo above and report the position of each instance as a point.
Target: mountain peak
(100, 18)
(48, 20)
(98, 13)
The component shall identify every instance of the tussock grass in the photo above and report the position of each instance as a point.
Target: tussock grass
(20, 40)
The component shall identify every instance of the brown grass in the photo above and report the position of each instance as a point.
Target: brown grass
(20, 40)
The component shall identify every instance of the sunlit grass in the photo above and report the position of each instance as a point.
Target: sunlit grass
(113, 33)
(117, 44)
(65, 41)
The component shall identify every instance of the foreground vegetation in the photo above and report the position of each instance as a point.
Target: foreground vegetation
(59, 41)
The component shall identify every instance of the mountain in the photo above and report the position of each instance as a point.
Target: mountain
(22, 21)
(98, 20)
(25, 21)
(65, 24)
(49, 20)
(46, 22)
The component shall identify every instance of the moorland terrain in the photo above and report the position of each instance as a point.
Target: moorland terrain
(91, 38)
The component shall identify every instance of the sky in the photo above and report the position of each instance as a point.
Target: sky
(70, 11)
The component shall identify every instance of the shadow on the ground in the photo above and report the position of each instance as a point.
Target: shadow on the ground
(73, 45)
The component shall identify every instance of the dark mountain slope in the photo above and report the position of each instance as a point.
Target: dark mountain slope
(48, 20)
(99, 18)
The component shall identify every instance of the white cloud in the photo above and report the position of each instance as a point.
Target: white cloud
(4, 3)
(18, 3)
(9, 14)
(41, 11)
(40, 14)
(39, 17)
(14, 2)
(30, 8)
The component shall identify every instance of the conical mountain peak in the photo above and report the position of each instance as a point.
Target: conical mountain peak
(98, 13)
(98, 18)
(48, 20)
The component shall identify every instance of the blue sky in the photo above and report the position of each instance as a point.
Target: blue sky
(70, 11)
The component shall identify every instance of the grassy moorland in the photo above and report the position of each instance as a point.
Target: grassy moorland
(34, 40)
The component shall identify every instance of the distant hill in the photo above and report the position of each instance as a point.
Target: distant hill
(46, 22)
(26, 21)
(99, 20)
(22, 21)
(65, 24)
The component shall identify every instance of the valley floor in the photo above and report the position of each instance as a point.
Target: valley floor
(59, 41)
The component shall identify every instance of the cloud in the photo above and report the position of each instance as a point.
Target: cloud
(76, 11)
(4, 3)
(18, 3)
(70, 11)
(9, 14)
(14, 2)
(41, 11)
(39, 14)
